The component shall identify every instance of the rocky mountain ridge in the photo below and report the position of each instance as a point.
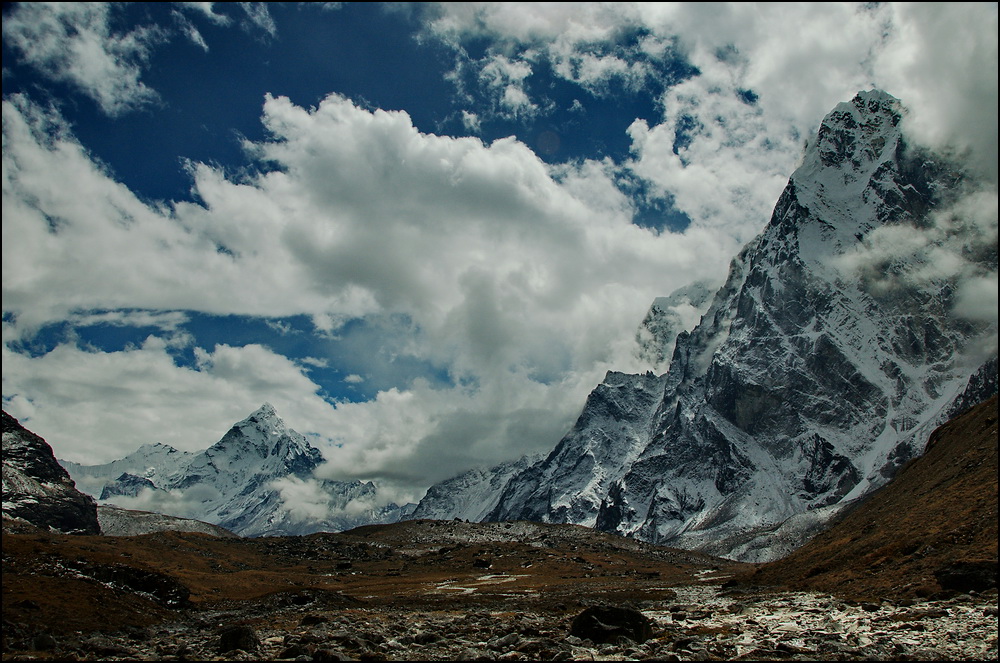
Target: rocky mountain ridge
(37, 490)
(806, 384)
(934, 525)
(891, 581)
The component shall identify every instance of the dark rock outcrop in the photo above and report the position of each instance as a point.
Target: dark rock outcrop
(37, 490)
(968, 575)
(609, 624)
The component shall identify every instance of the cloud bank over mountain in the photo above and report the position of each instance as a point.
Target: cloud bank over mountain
(471, 291)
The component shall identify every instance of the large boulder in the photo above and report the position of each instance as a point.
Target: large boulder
(609, 624)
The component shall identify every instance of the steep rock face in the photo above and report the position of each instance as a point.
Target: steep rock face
(471, 495)
(37, 490)
(807, 382)
(569, 485)
(805, 385)
(128, 485)
(938, 515)
(238, 483)
(667, 318)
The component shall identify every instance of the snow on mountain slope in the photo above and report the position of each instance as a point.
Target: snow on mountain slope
(471, 495)
(569, 485)
(157, 462)
(806, 383)
(669, 316)
(237, 483)
(116, 521)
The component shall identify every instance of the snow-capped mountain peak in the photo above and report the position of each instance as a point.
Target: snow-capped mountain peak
(237, 483)
(264, 437)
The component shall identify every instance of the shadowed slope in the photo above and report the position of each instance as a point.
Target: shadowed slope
(939, 512)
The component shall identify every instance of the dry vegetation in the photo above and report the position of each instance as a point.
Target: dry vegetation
(940, 509)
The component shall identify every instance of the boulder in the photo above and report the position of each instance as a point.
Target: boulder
(608, 624)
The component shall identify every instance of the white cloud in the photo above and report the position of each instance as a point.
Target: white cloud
(96, 406)
(190, 30)
(258, 16)
(169, 321)
(505, 79)
(471, 122)
(74, 42)
(207, 9)
(519, 282)
(958, 244)
(303, 499)
(799, 60)
(523, 282)
(941, 60)
(188, 503)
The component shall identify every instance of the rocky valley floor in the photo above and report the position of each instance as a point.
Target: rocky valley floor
(431, 590)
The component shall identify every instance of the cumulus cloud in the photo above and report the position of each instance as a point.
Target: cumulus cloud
(729, 135)
(505, 79)
(521, 281)
(956, 244)
(305, 500)
(941, 60)
(515, 283)
(94, 407)
(74, 43)
(187, 503)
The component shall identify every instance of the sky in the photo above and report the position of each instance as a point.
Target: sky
(423, 232)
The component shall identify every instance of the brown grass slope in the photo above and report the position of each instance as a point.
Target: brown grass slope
(939, 511)
(58, 583)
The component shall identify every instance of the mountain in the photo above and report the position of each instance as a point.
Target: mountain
(36, 490)
(237, 483)
(471, 495)
(667, 318)
(933, 528)
(116, 521)
(159, 462)
(806, 384)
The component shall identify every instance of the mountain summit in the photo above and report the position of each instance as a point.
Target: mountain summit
(806, 384)
(252, 482)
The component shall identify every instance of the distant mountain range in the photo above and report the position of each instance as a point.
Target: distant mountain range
(232, 484)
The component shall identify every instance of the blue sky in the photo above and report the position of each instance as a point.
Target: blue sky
(422, 231)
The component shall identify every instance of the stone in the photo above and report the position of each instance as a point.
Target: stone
(43, 642)
(608, 624)
(238, 637)
(293, 651)
(508, 641)
(965, 576)
(328, 655)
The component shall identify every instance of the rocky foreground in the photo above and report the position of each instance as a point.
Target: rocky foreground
(431, 590)
(909, 574)
(699, 623)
